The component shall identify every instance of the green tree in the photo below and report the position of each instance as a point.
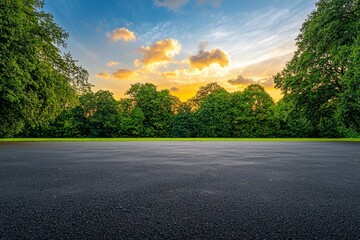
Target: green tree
(253, 113)
(184, 122)
(131, 118)
(348, 111)
(37, 80)
(322, 79)
(102, 113)
(290, 122)
(156, 108)
(70, 124)
(202, 93)
(97, 115)
(214, 116)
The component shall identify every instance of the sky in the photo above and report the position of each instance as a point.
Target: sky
(181, 45)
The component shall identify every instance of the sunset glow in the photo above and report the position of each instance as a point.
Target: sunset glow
(181, 45)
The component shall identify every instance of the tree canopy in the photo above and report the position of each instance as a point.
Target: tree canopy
(156, 108)
(149, 112)
(37, 80)
(322, 80)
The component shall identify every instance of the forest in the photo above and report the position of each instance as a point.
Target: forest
(44, 93)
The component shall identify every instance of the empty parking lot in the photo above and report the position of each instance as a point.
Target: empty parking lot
(180, 190)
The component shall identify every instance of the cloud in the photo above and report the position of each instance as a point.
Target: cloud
(173, 5)
(214, 3)
(169, 74)
(160, 52)
(203, 45)
(123, 74)
(268, 67)
(174, 89)
(265, 33)
(205, 59)
(176, 5)
(120, 74)
(121, 34)
(105, 75)
(240, 80)
(267, 82)
(112, 64)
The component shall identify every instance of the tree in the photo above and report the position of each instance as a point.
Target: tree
(214, 117)
(184, 122)
(101, 111)
(202, 93)
(97, 115)
(348, 111)
(290, 122)
(156, 108)
(70, 124)
(322, 79)
(37, 80)
(131, 118)
(105, 120)
(253, 113)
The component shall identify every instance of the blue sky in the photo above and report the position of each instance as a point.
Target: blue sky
(181, 44)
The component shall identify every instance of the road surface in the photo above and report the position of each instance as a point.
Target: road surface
(180, 190)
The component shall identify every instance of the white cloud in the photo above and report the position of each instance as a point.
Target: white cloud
(176, 5)
(112, 63)
(173, 5)
(214, 3)
(256, 36)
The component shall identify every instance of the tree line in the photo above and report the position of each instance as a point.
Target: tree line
(212, 112)
(44, 93)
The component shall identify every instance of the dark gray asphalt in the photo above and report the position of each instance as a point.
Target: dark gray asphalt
(180, 190)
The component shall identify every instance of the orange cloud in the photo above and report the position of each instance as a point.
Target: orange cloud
(205, 59)
(112, 64)
(121, 34)
(103, 75)
(123, 74)
(169, 74)
(120, 74)
(160, 52)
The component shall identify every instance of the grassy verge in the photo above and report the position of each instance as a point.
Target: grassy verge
(179, 139)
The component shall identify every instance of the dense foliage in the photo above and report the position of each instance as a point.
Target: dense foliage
(321, 84)
(149, 112)
(36, 79)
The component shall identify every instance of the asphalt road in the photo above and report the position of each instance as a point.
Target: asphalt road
(180, 190)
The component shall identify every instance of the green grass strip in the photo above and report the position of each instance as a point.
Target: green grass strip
(180, 139)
